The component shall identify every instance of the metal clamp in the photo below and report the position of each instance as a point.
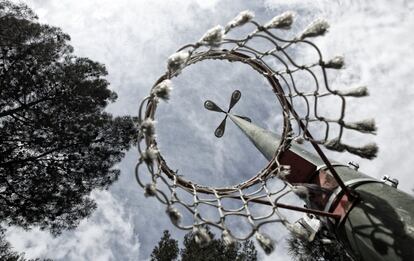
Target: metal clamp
(350, 183)
(394, 182)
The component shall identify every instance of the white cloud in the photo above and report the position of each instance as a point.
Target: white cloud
(108, 234)
(134, 38)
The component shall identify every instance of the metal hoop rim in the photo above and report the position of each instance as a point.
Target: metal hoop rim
(262, 69)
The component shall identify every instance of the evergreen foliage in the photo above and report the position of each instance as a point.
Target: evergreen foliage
(303, 250)
(216, 250)
(166, 250)
(57, 143)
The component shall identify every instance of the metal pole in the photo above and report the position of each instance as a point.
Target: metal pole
(295, 208)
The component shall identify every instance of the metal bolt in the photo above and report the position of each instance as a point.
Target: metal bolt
(355, 165)
(394, 182)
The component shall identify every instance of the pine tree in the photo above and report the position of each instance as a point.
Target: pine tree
(303, 250)
(215, 250)
(57, 143)
(247, 252)
(167, 249)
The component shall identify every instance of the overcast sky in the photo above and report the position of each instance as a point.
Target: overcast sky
(134, 39)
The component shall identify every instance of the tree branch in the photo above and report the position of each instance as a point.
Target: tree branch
(23, 107)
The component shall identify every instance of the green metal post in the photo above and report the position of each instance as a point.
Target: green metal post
(377, 227)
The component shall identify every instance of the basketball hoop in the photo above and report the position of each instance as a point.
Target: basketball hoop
(166, 185)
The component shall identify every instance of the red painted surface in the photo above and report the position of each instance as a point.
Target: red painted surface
(342, 206)
(303, 171)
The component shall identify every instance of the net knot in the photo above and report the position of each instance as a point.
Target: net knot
(265, 242)
(174, 215)
(201, 236)
(283, 21)
(163, 90)
(316, 28)
(241, 19)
